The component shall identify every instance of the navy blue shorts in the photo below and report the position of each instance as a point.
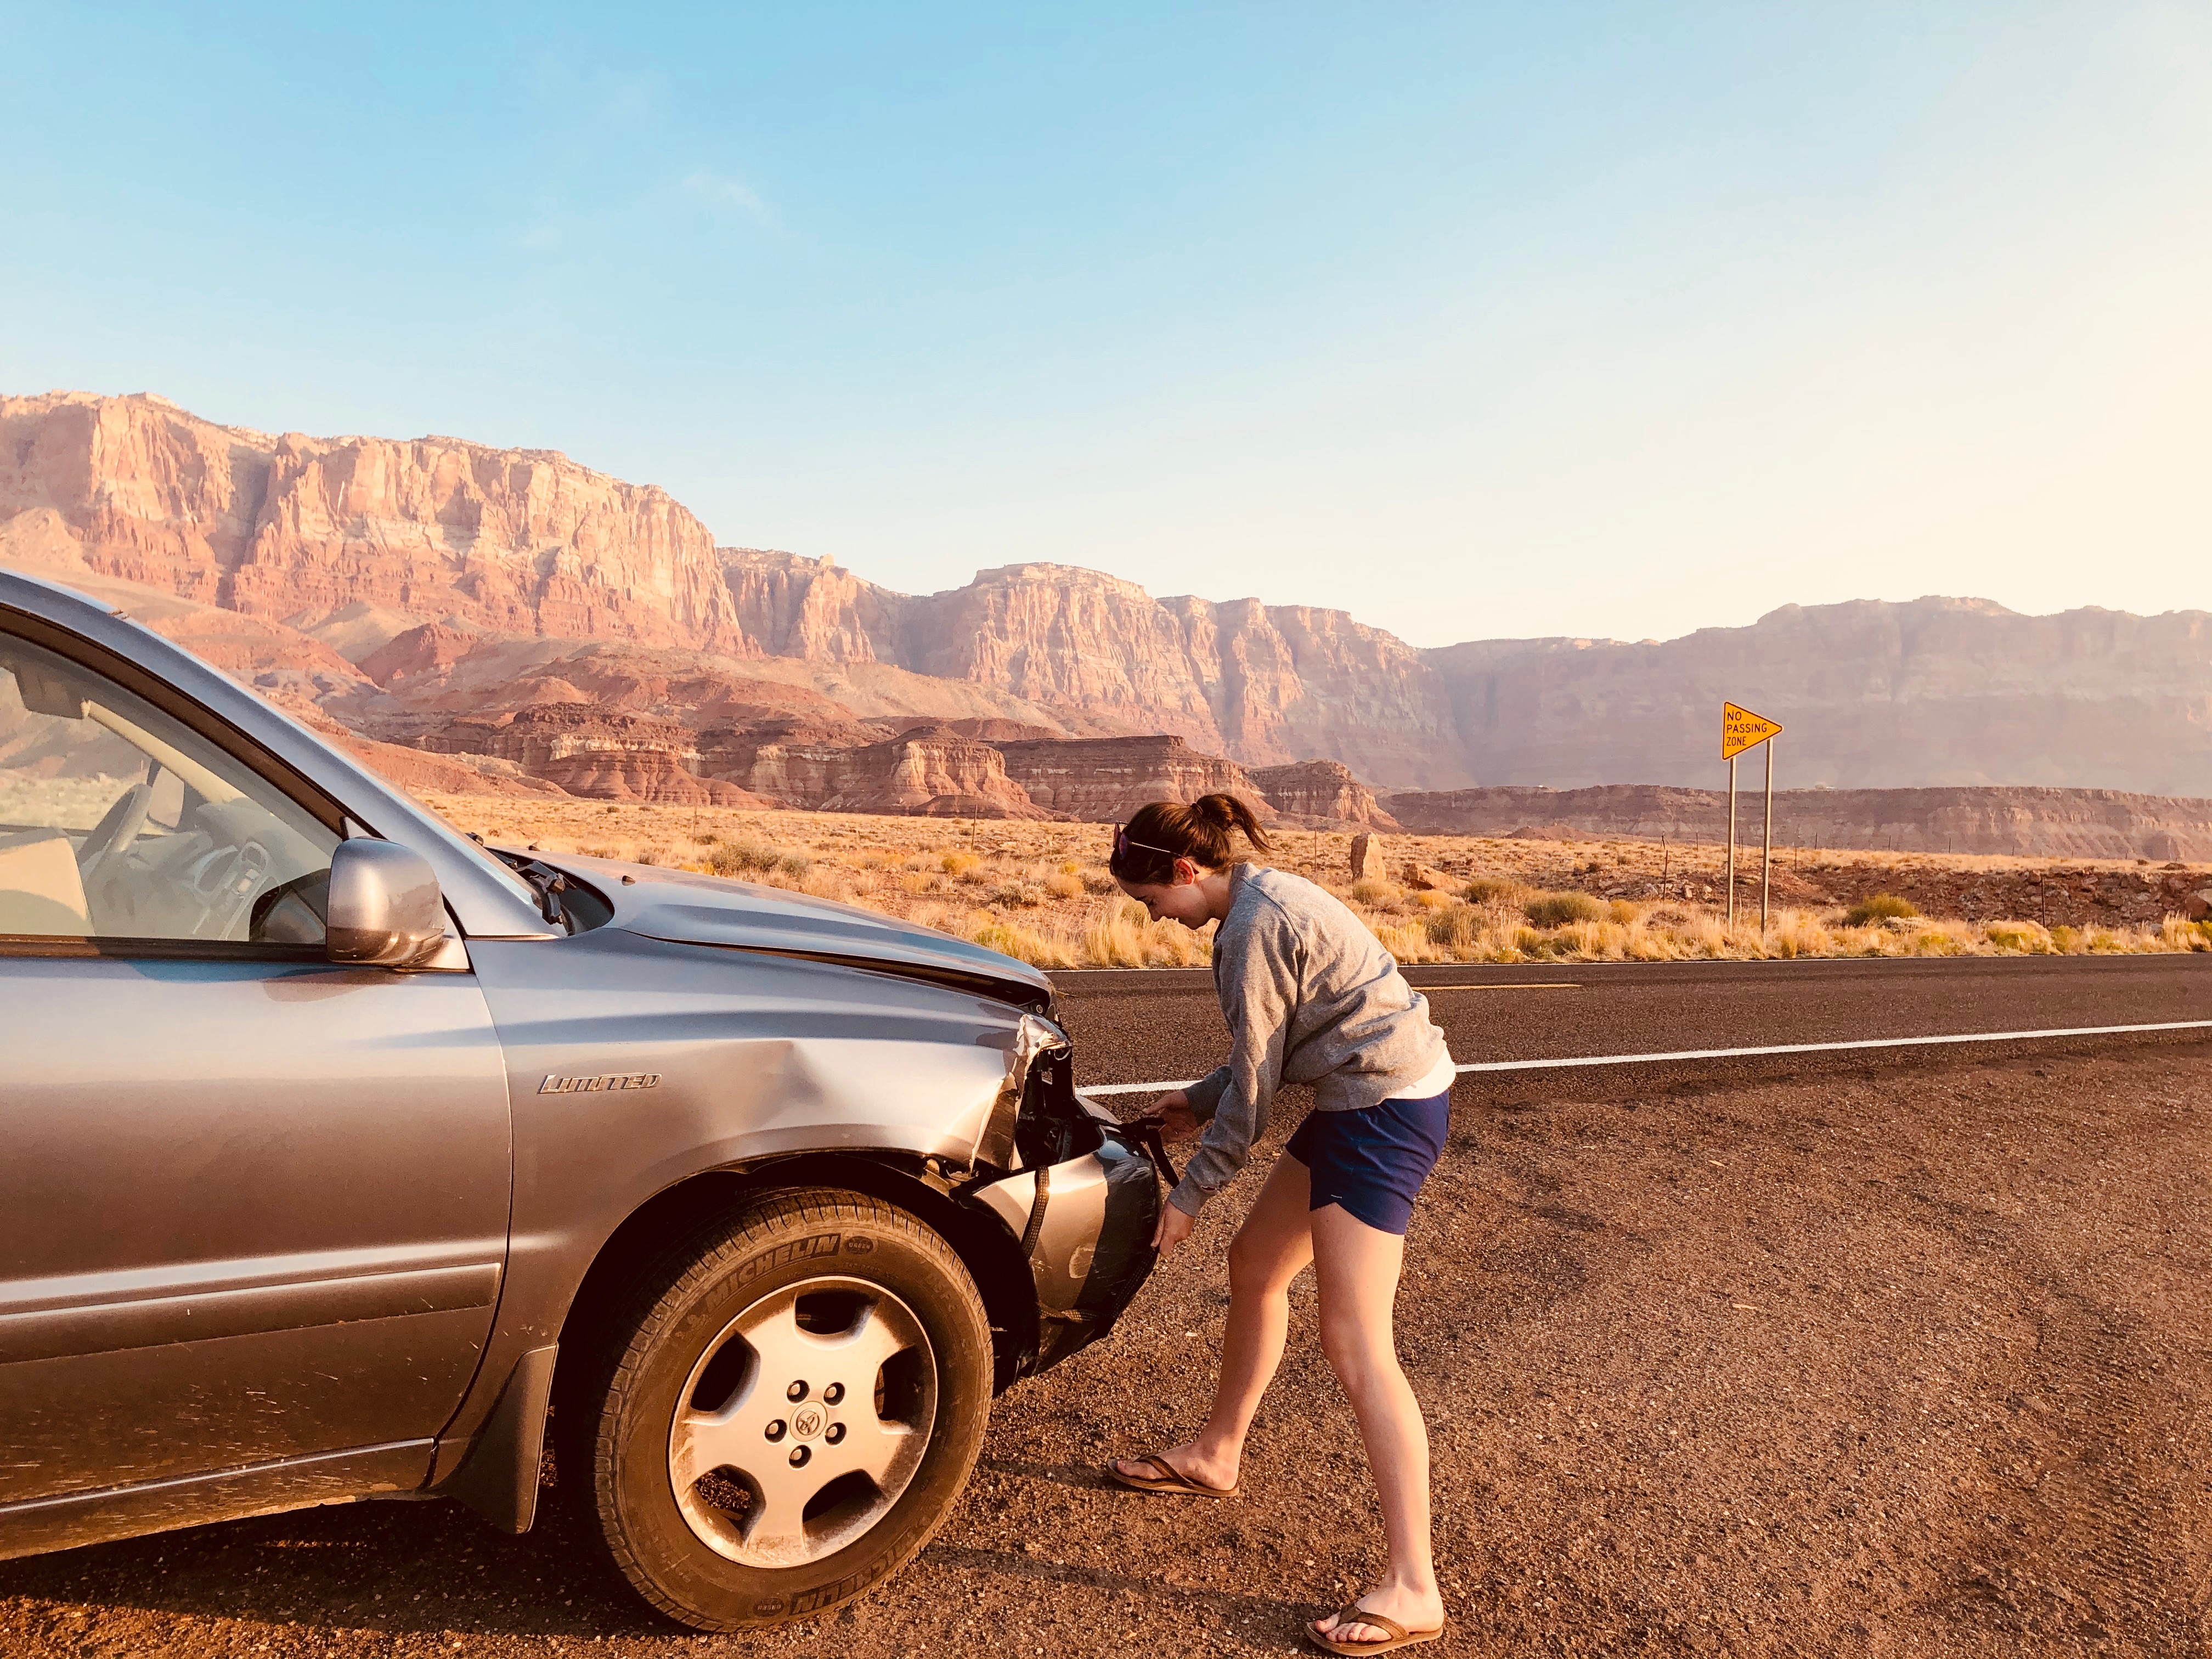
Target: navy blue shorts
(1373, 1161)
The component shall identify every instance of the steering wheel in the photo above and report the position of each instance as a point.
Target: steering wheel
(112, 837)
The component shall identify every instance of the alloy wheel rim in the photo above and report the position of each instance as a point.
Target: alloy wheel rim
(803, 1422)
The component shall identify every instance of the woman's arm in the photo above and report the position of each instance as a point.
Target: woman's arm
(1258, 978)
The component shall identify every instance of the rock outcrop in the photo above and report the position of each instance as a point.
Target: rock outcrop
(452, 774)
(1264, 685)
(647, 774)
(1104, 780)
(278, 661)
(2029, 823)
(429, 648)
(581, 749)
(1321, 792)
(927, 771)
(294, 529)
(793, 606)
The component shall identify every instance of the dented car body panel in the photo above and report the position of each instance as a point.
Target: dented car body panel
(667, 1035)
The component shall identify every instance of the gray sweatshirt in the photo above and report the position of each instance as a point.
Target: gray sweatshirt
(1311, 996)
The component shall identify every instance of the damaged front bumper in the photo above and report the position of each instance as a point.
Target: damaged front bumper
(1080, 1194)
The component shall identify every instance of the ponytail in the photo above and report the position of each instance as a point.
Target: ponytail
(1146, 849)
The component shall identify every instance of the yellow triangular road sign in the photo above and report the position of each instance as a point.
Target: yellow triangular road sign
(1740, 729)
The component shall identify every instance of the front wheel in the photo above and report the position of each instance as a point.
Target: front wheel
(787, 1410)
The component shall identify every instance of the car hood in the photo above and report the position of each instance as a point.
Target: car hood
(686, 908)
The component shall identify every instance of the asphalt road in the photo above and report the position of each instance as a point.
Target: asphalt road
(1137, 1027)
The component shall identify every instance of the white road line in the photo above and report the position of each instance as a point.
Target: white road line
(1531, 985)
(1738, 1053)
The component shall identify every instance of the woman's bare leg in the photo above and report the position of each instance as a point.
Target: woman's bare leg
(1356, 1267)
(1271, 1248)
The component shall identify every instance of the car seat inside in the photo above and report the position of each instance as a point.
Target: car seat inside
(41, 890)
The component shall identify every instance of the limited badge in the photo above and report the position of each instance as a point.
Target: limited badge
(590, 1085)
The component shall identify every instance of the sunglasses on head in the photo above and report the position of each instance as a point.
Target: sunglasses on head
(1122, 844)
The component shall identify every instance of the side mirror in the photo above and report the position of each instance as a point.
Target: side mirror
(385, 911)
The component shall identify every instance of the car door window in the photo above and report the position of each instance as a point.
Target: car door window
(119, 822)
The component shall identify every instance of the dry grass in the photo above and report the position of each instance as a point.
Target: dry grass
(1040, 891)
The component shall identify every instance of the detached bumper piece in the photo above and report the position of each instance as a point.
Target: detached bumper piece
(1084, 1203)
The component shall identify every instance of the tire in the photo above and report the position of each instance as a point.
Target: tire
(734, 1496)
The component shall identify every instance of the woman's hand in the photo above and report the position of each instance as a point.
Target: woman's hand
(1175, 1227)
(1178, 1123)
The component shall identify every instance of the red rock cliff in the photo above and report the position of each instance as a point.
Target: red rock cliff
(1264, 685)
(296, 528)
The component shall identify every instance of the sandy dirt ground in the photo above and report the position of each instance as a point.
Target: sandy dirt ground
(1915, 1362)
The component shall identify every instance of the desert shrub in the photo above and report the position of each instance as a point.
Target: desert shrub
(2023, 936)
(829, 881)
(1455, 929)
(1880, 906)
(1702, 935)
(795, 865)
(1014, 895)
(1484, 890)
(743, 855)
(957, 864)
(2065, 940)
(1373, 890)
(1121, 935)
(1405, 942)
(1557, 909)
(1624, 912)
(1115, 939)
(1064, 884)
(1052, 949)
(2177, 934)
(1098, 881)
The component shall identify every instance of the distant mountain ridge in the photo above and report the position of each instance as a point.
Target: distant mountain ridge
(2024, 822)
(358, 542)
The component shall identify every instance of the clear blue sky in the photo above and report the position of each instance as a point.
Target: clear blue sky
(1474, 320)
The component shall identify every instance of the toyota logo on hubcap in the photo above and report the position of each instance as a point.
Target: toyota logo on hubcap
(806, 1422)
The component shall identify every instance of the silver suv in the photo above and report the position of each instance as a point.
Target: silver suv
(344, 1156)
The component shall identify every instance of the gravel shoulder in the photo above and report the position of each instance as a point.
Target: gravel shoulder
(1917, 1362)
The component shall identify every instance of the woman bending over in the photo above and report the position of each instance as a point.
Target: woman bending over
(1309, 997)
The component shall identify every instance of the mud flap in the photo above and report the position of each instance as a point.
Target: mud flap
(498, 1479)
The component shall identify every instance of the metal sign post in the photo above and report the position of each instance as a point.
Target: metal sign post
(1731, 864)
(1740, 729)
(1766, 852)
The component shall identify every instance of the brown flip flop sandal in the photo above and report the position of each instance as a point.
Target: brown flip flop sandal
(1170, 1479)
(1399, 1637)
